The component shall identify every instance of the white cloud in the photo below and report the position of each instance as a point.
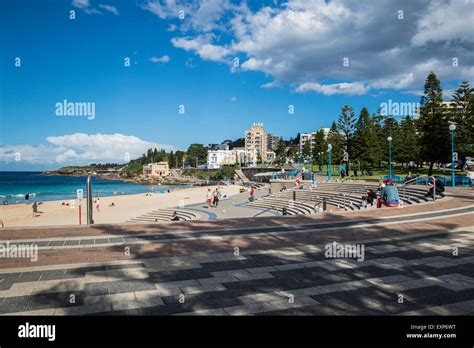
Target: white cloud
(202, 15)
(271, 84)
(80, 148)
(201, 46)
(233, 99)
(446, 21)
(164, 10)
(163, 59)
(85, 5)
(255, 64)
(303, 42)
(397, 82)
(353, 88)
(110, 8)
(81, 3)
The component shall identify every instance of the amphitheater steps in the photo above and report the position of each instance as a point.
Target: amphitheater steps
(162, 215)
(346, 196)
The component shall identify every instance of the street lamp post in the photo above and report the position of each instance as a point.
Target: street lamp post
(329, 162)
(389, 139)
(322, 161)
(452, 128)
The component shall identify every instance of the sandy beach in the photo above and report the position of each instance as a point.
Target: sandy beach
(126, 207)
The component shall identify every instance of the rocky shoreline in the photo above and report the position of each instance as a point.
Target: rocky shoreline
(138, 179)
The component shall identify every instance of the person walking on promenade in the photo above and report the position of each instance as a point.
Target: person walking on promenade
(217, 197)
(252, 193)
(209, 198)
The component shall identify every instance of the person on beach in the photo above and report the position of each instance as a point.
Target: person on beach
(209, 198)
(35, 209)
(252, 194)
(27, 197)
(97, 204)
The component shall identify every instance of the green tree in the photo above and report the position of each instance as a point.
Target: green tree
(365, 140)
(378, 151)
(293, 152)
(149, 155)
(172, 160)
(433, 124)
(462, 114)
(196, 155)
(307, 149)
(320, 145)
(407, 147)
(280, 152)
(346, 126)
(391, 128)
(336, 140)
(179, 158)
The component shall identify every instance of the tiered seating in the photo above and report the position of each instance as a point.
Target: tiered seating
(345, 196)
(275, 203)
(162, 215)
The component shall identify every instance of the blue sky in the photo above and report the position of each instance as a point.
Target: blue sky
(82, 60)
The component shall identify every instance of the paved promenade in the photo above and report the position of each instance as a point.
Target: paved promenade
(416, 260)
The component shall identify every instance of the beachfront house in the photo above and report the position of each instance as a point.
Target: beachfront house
(219, 156)
(159, 169)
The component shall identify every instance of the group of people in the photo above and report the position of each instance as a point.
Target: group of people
(213, 197)
(386, 195)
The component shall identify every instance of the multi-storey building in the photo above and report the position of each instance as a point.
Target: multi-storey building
(305, 137)
(256, 143)
(272, 142)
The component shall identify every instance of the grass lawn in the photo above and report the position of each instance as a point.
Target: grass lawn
(396, 170)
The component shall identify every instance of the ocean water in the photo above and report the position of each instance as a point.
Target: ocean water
(14, 186)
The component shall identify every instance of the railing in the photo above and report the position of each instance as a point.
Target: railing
(418, 178)
(317, 206)
(264, 211)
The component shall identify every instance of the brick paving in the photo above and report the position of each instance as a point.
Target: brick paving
(417, 260)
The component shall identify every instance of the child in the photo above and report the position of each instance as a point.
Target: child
(209, 198)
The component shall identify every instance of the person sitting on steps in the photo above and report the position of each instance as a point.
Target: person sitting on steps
(388, 195)
(439, 188)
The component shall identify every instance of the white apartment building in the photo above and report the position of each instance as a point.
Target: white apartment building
(218, 158)
(305, 137)
(242, 156)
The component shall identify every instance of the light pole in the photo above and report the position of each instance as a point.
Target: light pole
(321, 154)
(452, 128)
(389, 139)
(329, 162)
